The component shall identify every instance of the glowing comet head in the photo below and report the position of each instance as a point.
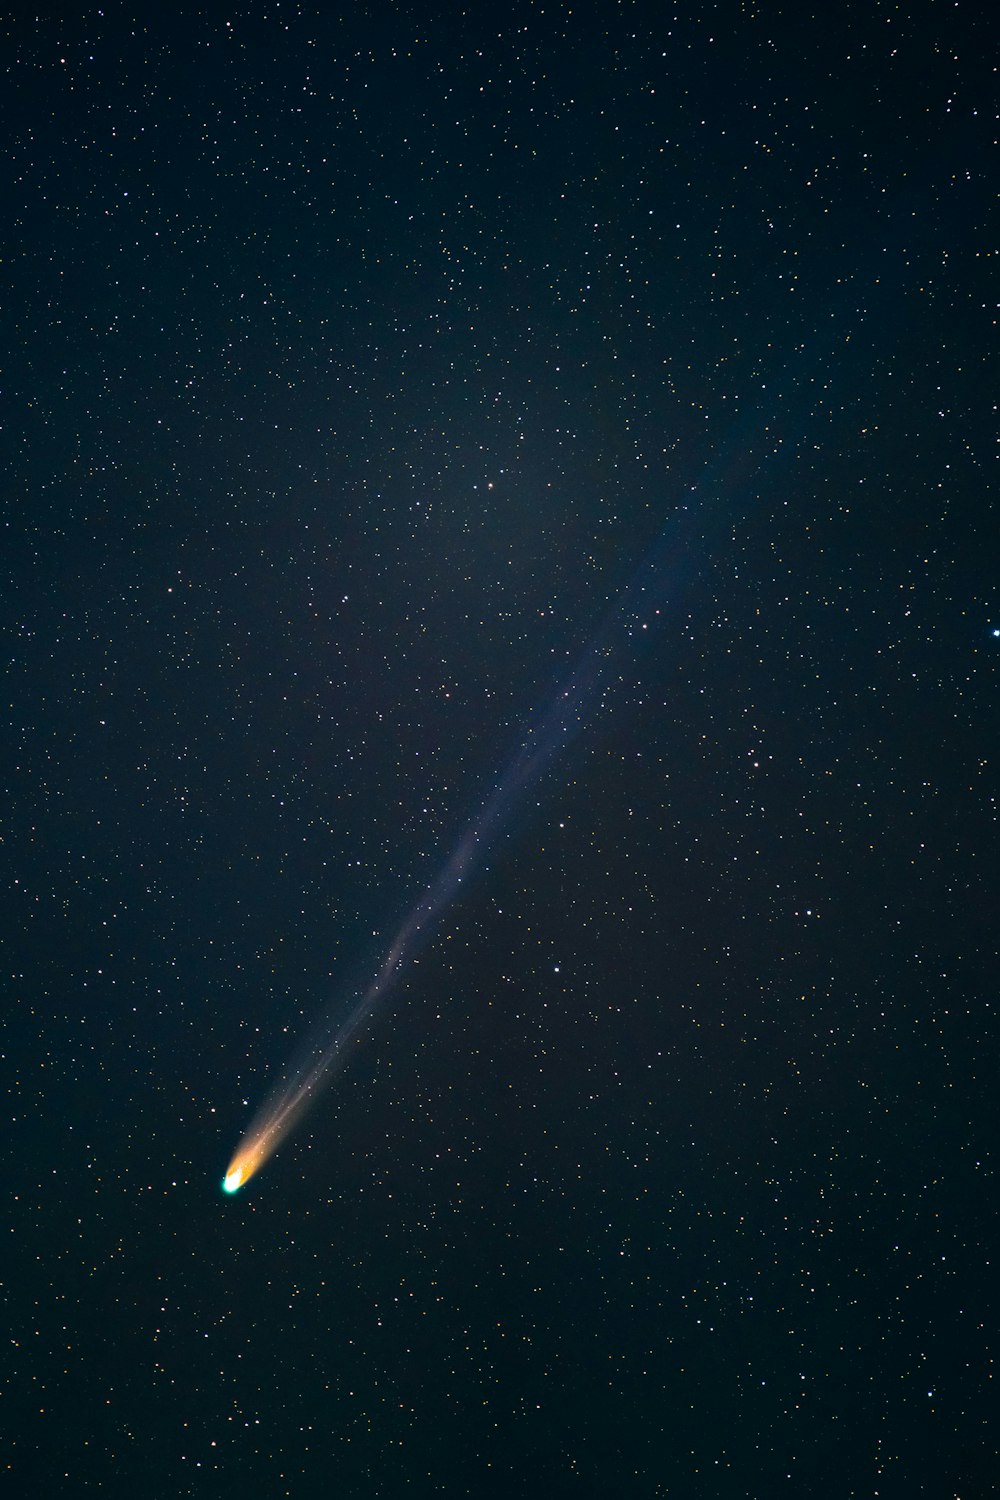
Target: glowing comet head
(233, 1179)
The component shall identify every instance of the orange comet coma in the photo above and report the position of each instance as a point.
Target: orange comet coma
(244, 1164)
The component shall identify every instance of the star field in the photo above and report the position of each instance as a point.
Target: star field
(359, 363)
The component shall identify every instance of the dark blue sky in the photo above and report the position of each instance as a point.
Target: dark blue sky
(353, 365)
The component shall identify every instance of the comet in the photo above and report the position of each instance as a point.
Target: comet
(671, 563)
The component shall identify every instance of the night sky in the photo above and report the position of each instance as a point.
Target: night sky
(367, 375)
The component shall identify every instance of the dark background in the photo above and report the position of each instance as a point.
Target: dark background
(353, 362)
